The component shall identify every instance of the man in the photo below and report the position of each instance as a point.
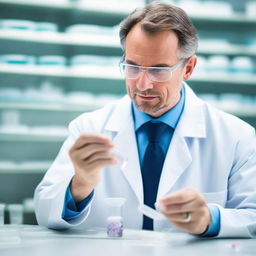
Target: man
(201, 170)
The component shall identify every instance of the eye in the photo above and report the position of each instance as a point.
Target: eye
(132, 69)
(157, 71)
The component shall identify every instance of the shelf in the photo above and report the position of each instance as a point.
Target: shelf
(248, 111)
(233, 50)
(70, 6)
(47, 106)
(122, 11)
(239, 111)
(30, 137)
(113, 74)
(40, 3)
(236, 79)
(242, 111)
(235, 18)
(61, 38)
(14, 168)
(97, 73)
(19, 105)
(102, 41)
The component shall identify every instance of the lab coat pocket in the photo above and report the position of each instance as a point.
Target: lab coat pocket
(219, 198)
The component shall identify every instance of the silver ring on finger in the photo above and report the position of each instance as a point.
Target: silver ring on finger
(186, 217)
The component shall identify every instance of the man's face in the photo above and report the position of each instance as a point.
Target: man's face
(143, 49)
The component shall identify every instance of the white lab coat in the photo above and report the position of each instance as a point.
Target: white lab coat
(211, 151)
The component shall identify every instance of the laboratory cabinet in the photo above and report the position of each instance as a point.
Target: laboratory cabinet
(59, 59)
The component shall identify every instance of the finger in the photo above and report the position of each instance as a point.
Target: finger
(86, 151)
(197, 222)
(96, 164)
(101, 164)
(100, 156)
(194, 225)
(181, 217)
(88, 138)
(179, 197)
(182, 208)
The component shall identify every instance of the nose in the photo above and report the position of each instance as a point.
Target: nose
(143, 82)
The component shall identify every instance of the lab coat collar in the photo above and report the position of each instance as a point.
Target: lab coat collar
(192, 121)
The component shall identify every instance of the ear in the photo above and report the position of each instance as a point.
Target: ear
(189, 67)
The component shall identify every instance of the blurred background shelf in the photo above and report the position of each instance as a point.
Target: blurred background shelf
(119, 10)
(70, 6)
(231, 50)
(234, 18)
(236, 79)
(112, 46)
(28, 168)
(114, 74)
(39, 4)
(61, 39)
(49, 106)
(242, 112)
(31, 136)
(87, 72)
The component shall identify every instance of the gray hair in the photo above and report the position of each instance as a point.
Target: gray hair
(157, 17)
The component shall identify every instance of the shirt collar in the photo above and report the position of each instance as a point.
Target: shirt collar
(170, 118)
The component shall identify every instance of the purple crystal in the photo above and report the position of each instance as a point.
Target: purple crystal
(115, 226)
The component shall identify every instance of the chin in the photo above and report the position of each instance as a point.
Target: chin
(150, 110)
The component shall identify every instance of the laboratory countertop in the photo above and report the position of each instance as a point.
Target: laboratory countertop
(39, 241)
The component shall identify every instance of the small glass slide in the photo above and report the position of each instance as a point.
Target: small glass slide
(150, 212)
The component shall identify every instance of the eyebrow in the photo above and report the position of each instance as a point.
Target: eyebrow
(157, 65)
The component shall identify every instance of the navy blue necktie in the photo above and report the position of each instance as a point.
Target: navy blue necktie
(152, 166)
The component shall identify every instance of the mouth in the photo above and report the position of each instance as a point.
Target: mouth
(146, 98)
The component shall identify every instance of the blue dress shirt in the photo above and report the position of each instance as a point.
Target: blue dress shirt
(71, 210)
(171, 118)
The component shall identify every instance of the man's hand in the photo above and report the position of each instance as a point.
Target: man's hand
(187, 210)
(89, 154)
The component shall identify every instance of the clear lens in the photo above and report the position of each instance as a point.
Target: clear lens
(155, 74)
(159, 74)
(132, 72)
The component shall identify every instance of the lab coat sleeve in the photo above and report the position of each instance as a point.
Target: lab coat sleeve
(50, 193)
(238, 217)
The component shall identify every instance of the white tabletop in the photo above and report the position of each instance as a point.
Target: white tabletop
(38, 241)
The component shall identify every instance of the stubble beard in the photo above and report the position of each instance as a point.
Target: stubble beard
(147, 107)
(150, 109)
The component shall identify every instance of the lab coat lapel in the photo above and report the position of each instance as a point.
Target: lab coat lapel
(122, 126)
(178, 158)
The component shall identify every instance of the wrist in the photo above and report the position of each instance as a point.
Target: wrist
(214, 225)
(80, 190)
